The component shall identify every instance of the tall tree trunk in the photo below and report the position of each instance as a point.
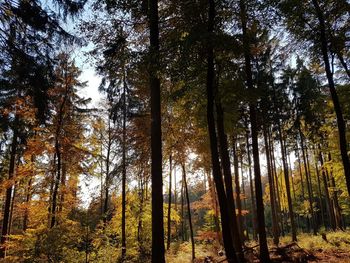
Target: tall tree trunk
(238, 190)
(226, 167)
(183, 225)
(158, 248)
(56, 183)
(169, 206)
(334, 95)
(245, 226)
(11, 171)
(302, 185)
(327, 195)
(58, 154)
(311, 187)
(319, 191)
(215, 208)
(107, 180)
(220, 189)
(28, 198)
(188, 211)
(308, 183)
(301, 175)
(275, 179)
(124, 170)
(140, 222)
(63, 184)
(286, 178)
(12, 207)
(337, 209)
(252, 196)
(264, 252)
(272, 192)
(102, 173)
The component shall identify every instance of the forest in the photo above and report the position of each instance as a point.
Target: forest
(218, 131)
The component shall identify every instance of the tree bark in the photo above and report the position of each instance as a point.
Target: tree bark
(215, 208)
(275, 179)
(189, 211)
(238, 191)
(158, 247)
(169, 206)
(319, 192)
(272, 192)
(8, 195)
(337, 209)
(124, 169)
(220, 189)
(308, 183)
(286, 178)
(28, 198)
(327, 195)
(264, 252)
(226, 167)
(107, 180)
(183, 225)
(252, 196)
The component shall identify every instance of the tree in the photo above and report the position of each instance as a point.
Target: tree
(156, 138)
(319, 35)
(227, 238)
(264, 253)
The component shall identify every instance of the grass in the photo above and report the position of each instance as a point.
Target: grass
(335, 249)
(339, 240)
(182, 252)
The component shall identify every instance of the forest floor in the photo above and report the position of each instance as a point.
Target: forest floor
(330, 247)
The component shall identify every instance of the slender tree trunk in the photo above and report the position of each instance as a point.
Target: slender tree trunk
(220, 189)
(58, 154)
(301, 175)
(139, 225)
(275, 179)
(124, 170)
(12, 207)
(252, 196)
(245, 226)
(52, 183)
(189, 211)
(272, 192)
(175, 191)
(303, 198)
(56, 184)
(238, 190)
(264, 252)
(311, 187)
(327, 195)
(334, 95)
(308, 183)
(28, 198)
(169, 206)
(337, 209)
(319, 192)
(226, 167)
(182, 211)
(215, 208)
(63, 185)
(107, 180)
(286, 178)
(156, 138)
(101, 167)
(8, 196)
